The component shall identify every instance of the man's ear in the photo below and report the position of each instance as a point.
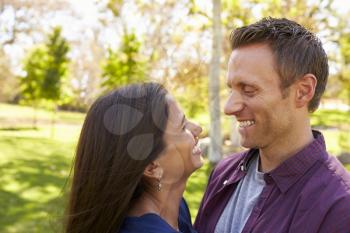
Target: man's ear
(153, 171)
(305, 90)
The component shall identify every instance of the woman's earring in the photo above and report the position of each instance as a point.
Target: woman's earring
(159, 185)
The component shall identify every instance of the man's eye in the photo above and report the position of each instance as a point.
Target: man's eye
(249, 90)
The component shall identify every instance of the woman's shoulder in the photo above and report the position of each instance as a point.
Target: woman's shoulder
(148, 223)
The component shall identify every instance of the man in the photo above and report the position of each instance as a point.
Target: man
(286, 181)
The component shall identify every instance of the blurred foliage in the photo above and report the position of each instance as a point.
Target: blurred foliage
(32, 82)
(190, 87)
(56, 66)
(125, 65)
(115, 6)
(46, 67)
(336, 124)
(306, 13)
(344, 141)
(344, 73)
(173, 33)
(24, 18)
(8, 82)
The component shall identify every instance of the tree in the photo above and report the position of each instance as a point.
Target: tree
(85, 73)
(190, 87)
(31, 84)
(124, 65)
(215, 151)
(55, 66)
(55, 70)
(8, 81)
(46, 67)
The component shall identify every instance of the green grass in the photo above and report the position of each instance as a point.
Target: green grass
(35, 164)
(34, 171)
(13, 116)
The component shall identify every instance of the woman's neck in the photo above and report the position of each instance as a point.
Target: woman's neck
(164, 203)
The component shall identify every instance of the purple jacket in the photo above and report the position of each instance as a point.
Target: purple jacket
(307, 193)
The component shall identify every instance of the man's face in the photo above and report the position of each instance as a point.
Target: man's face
(265, 117)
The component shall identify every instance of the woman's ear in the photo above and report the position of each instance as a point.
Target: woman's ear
(305, 90)
(153, 171)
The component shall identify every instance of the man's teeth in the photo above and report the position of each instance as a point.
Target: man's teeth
(196, 150)
(243, 124)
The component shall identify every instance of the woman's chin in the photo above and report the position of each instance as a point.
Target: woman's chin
(197, 162)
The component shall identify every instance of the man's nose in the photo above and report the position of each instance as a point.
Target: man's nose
(234, 104)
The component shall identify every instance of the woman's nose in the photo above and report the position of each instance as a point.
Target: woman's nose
(196, 129)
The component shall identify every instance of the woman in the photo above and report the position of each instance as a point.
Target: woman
(135, 154)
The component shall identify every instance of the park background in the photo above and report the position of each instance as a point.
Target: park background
(58, 56)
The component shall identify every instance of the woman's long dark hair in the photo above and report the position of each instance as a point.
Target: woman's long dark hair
(121, 135)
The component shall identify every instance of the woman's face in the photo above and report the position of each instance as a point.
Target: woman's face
(181, 156)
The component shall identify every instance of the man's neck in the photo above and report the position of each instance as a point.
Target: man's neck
(272, 156)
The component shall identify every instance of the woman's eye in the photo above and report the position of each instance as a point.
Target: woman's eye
(184, 126)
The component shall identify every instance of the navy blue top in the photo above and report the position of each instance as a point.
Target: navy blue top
(153, 223)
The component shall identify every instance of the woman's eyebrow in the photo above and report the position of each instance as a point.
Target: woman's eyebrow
(182, 121)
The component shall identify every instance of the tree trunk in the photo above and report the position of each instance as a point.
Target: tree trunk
(35, 121)
(53, 121)
(215, 150)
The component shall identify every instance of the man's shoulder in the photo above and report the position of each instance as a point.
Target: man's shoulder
(331, 182)
(336, 174)
(335, 195)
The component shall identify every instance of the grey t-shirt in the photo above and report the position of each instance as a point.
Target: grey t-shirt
(243, 200)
